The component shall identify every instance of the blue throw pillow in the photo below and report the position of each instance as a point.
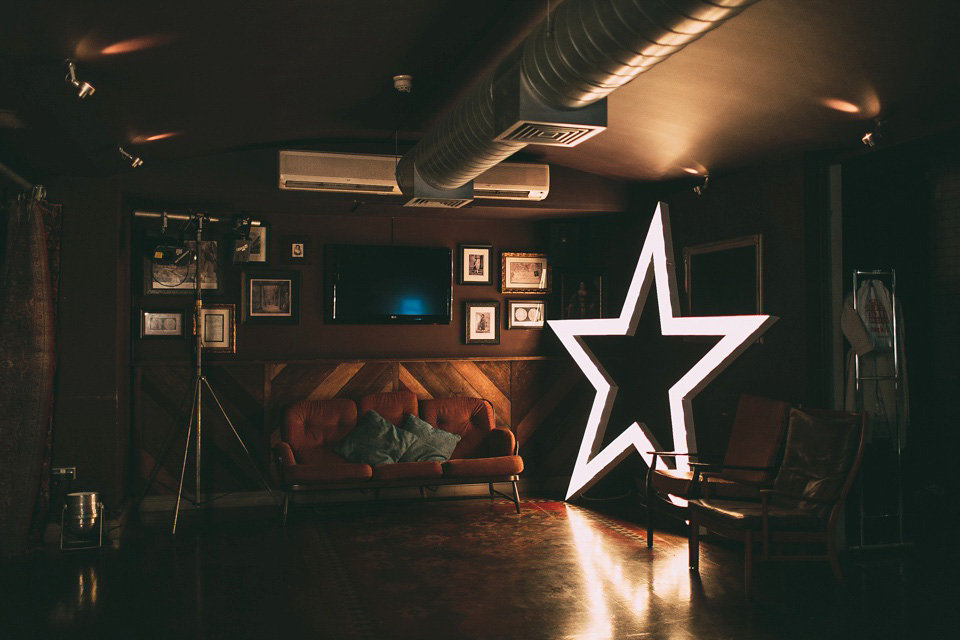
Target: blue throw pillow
(375, 441)
(431, 444)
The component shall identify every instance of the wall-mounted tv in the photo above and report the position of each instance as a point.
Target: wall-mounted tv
(373, 284)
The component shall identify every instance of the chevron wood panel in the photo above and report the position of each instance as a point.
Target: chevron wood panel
(164, 400)
(437, 379)
(551, 401)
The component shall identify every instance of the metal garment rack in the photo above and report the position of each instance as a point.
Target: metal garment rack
(858, 278)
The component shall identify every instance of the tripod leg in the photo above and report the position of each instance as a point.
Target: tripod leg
(236, 435)
(183, 467)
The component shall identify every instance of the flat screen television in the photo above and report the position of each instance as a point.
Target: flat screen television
(373, 284)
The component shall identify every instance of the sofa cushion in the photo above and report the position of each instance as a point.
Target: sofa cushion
(408, 471)
(469, 418)
(326, 473)
(311, 423)
(391, 405)
(374, 441)
(432, 444)
(483, 467)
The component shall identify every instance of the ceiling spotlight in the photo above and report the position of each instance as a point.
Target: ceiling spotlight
(84, 89)
(134, 161)
(700, 189)
(873, 138)
(403, 83)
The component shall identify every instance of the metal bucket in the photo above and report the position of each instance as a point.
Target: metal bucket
(82, 512)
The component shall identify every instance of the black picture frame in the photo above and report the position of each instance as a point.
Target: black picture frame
(475, 264)
(526, 314)
(481, 322)
(270, 297)
(179, 279)
(724, 278)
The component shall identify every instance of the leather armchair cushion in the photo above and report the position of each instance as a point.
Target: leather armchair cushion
(375, 441)
(678, 483)
(408, 470)
(749, 515)
(468, 467)
(817, 460)
(431, 444)
(391, 405)
(756, 439)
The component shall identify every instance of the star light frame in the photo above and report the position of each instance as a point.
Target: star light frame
(656, 265)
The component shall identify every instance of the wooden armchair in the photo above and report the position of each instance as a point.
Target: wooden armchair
(820, 461)
(750, 461)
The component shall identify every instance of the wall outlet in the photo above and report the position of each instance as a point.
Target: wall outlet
(65, 471)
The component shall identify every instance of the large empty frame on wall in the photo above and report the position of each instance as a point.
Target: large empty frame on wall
(724, 278)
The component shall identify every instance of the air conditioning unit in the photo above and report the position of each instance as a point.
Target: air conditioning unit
(513, 181)
(339, 172)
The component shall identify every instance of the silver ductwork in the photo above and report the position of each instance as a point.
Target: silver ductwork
(550, 89)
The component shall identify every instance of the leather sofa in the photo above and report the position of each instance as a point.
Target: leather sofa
(311, 431)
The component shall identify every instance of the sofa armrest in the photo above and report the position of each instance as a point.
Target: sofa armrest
(499, 442)
(283, 457)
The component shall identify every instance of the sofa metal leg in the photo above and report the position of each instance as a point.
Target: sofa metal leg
(286, 507)
(516, 496)
(493, 491)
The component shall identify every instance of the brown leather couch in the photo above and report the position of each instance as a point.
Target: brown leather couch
(311, 430)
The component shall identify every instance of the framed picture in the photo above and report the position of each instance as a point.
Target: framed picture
(271, 298)
(254, 249)
(180, 278)
(524, 273)
(296, 250)
(475, 264)
(724, 278)
(526, 314)
(161, 324)
(581, 295)
(218, 328)
(482, 321)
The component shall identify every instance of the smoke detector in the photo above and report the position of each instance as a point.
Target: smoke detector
(403, 83)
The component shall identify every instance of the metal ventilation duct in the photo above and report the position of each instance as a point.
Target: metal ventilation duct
(585, 50)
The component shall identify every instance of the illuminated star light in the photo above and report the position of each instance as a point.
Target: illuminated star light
(736, 334)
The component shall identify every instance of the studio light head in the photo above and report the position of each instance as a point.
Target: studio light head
(133, 160)
(84, 89)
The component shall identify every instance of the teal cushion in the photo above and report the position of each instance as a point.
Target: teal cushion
(375, 441)
(432, 444)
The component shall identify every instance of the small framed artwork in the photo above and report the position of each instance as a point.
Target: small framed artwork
(254, 250)
(526, 314)
(271, 298)
(581, 295)
(296, 250)
(475, 264)
(161, 324)
(524, 273)
(218, 328)
(482, 322)
(181, 278)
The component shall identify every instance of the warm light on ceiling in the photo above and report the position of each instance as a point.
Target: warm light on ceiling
(655, 266)
(136, 44)
(692, 171)
(837, 104)
(161, 136)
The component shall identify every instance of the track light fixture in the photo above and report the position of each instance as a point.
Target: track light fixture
(873, 137)
(133, 160)
(700, 189)
(84, 89)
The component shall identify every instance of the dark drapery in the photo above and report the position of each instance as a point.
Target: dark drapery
(29, 276)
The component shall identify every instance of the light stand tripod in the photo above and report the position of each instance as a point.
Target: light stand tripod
(194, 423)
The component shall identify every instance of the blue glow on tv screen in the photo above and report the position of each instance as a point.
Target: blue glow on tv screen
(375, 284)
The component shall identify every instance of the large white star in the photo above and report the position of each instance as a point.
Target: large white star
(737, 333)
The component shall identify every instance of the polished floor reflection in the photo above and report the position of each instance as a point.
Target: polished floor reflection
(466, 569)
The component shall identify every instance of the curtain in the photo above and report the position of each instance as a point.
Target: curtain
(30, 277)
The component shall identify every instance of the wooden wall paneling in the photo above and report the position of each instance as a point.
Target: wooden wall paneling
(164, 406)
(437, 379)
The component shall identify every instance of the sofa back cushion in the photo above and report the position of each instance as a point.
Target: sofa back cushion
(469, 418)
(390, 405)
(309, 425)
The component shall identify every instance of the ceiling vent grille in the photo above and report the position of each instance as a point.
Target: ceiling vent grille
(557, 135)
(449, 203)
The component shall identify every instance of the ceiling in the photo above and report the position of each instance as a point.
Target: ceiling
(228, 76)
